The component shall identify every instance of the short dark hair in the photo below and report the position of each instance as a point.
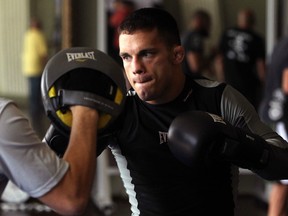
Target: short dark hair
(202, 14)
(149, 19)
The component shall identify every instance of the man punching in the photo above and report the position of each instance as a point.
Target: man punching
(211, 128)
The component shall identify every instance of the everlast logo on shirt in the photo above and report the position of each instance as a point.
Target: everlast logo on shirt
(80, 56)
(163, 136)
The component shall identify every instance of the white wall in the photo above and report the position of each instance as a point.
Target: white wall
(13, 21)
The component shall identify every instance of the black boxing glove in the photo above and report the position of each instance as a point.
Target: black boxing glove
(196, 135)
(56, 141)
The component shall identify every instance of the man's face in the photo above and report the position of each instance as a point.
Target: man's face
(149, 65)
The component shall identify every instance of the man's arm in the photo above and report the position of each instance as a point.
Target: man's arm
(278, 200)
(71, 194)
(285, 81)
(261, 70)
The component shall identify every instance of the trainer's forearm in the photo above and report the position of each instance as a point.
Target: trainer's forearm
(74, 189)
(81, 154)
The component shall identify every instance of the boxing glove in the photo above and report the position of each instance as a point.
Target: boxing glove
(196, 136)
(82, 76)
(56, 141)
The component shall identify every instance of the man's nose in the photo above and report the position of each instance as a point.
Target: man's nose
(136, 66)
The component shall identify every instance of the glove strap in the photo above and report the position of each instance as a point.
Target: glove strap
(247, 150)
(68, 98)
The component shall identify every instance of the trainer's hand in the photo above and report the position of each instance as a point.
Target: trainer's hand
(56, 140)
(78, 110)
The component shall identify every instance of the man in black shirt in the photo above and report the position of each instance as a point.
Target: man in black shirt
(158, 180)
(242, 53)
(158, 184)
(195, 61)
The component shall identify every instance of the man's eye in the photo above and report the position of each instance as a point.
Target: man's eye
(148, 54)
(125, 57)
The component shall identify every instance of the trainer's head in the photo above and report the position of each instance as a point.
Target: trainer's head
(150, 19)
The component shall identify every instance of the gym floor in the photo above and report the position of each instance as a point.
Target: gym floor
(248, 206)
(34, 208)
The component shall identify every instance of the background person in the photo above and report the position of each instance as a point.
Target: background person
(242, 57)
(122, 8)
(34, 57)
(273, 110)
(196, 61)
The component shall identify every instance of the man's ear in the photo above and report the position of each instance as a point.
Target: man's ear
(179, 54)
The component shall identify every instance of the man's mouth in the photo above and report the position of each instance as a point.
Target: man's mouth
(142, 80)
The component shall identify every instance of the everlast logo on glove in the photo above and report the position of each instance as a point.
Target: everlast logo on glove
(80, 56)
